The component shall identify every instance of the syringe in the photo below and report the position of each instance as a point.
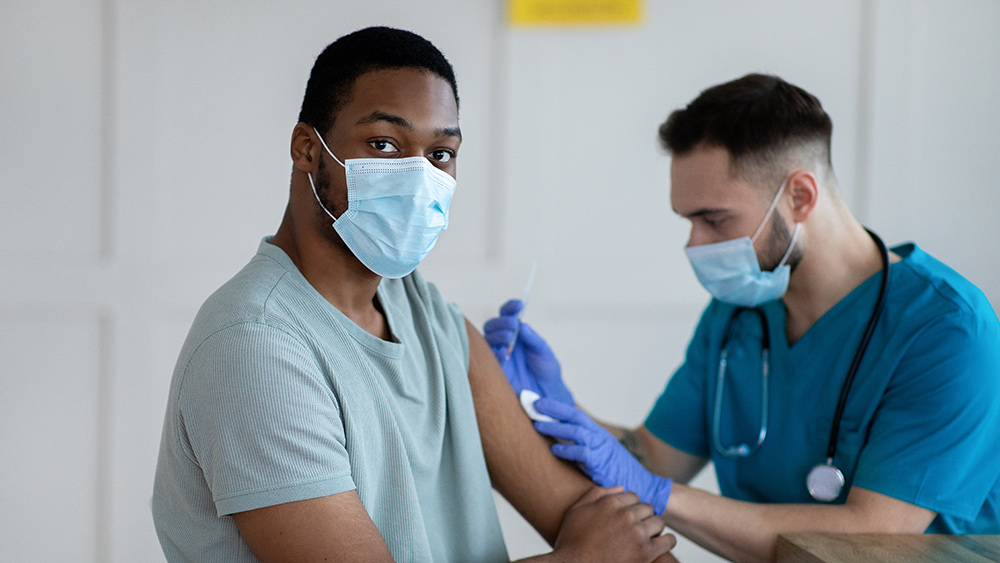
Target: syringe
(524, 303)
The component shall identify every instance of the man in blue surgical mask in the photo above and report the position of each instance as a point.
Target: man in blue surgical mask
(836, 385)
(328, 403)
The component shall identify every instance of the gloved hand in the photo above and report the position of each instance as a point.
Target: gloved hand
(531, 365)
(599, 454)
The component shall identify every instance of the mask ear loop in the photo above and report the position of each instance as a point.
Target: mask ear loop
(318, 200)
(791, 245)
(329, 152)
(770, 210)
(313, 184)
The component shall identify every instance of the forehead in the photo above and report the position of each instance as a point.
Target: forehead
(419, 96)
(702, 179)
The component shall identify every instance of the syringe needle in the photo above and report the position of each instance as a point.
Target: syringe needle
(524, 303)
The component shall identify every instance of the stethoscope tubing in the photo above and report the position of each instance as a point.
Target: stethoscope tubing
(743, 450)
(831, 450)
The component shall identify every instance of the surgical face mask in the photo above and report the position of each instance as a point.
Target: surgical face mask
(396, 208)
(731, 272)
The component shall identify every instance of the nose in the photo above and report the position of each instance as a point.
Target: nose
(696, 237)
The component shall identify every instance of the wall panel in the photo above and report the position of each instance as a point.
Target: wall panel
(50, 79)
(50, 374)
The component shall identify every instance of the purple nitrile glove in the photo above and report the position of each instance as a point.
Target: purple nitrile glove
(531, 364)
(599, 454)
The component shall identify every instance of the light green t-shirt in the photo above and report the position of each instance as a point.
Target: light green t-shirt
(278, 397)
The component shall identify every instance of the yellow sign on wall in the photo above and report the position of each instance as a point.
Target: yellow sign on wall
(574, 12)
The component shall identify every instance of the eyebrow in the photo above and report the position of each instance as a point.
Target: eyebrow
(377, 116)
(702, 212)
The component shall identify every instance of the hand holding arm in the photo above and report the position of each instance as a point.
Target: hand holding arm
(611, 521)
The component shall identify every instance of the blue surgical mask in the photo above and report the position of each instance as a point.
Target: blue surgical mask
(731, 272)
(396, 208)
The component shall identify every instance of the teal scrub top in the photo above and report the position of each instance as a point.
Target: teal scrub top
(921, 423)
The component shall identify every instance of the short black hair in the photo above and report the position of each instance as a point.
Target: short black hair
(757, 118)
(373, 48)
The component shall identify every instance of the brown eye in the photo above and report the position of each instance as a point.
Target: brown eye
(442, 155)
(382, 145)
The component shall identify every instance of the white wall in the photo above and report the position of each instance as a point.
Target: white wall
(143, 153)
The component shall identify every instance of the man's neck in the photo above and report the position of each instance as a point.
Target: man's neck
(836, 261)
(335, 273)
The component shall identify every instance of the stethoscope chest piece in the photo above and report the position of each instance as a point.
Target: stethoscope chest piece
(825, 482)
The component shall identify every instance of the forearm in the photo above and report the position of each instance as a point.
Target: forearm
(738, 531)
(744, 531)
(656, 456)
(631, 441)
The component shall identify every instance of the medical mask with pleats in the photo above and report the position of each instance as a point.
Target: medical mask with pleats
(396, 209)
(731, 272)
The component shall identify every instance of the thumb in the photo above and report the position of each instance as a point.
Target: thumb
(511, 308)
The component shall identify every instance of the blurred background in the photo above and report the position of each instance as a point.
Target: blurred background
(144, 153)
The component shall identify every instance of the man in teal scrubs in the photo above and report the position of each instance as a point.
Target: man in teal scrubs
(796, 282)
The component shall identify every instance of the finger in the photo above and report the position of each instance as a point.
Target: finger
(499, 323)
(499, 337)
(563, 431)
(662, 545)
(511, 307)
(561, 411)
(596, 493)
(570, 452)
(641, 512)
(624, 500)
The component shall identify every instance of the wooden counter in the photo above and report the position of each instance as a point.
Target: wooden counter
(889, 548)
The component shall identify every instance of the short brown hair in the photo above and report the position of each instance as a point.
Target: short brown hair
(757, 118)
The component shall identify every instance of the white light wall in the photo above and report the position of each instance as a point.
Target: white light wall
(144, 153)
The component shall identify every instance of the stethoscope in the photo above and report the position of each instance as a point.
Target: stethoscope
(825, 481)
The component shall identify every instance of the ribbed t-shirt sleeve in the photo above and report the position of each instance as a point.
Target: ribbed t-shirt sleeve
(935, 437)
(458, 321)
(448, 318)
(261, 421)
(678, 417)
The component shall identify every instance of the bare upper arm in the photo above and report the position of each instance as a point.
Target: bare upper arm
(335, 527)
(878, 513)
(521, 466)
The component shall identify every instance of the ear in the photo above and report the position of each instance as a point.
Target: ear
(804, 189)
(305, 147)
